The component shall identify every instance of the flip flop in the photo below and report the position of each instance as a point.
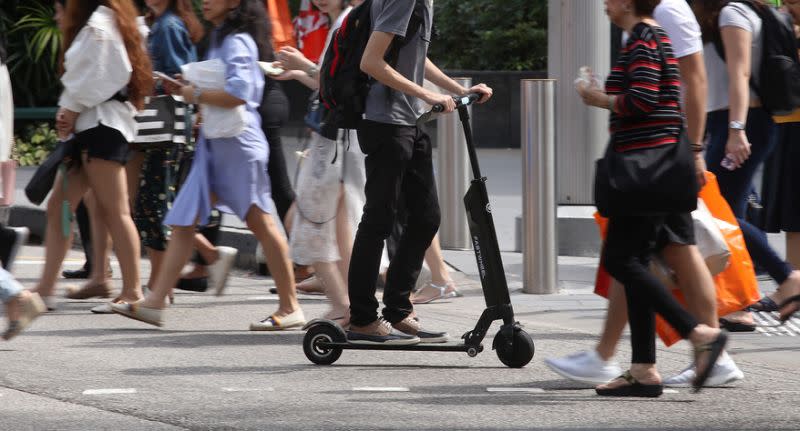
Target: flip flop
(715, 349)
(734, 326)
(633, 389)
(764, 304)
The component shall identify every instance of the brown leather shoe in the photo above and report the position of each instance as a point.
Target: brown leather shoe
(102, 290)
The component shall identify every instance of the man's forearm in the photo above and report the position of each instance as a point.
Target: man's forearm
(438, 78)
(693, 77)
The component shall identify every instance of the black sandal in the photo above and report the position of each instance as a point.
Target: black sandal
(764, 304)
(734, 326)
(784, 318)
(634, 389)
(715, 349)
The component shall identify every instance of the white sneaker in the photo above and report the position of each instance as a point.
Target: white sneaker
(585, 367)
(219, 270)
(725, 372)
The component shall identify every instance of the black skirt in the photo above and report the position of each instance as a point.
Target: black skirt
(779, 194)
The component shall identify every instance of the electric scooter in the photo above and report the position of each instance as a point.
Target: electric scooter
(325, 339)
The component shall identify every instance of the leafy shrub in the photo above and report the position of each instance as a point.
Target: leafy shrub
(490, 35)
(34, 144)
(33, 45)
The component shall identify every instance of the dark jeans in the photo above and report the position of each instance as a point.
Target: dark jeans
(398, 163)
(629, 246)
(736, 185)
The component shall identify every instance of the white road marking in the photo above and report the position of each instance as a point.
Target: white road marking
(381, 389)
(109, 391)
(671, 391)
(527, 390)
(248, 390)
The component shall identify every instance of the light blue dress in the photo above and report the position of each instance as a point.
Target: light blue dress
(234, 169)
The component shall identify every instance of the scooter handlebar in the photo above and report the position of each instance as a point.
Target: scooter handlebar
(466, 100)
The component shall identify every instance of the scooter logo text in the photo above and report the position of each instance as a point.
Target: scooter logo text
(481, 266)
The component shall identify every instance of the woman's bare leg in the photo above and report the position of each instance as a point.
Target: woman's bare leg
(694, 280)
(109, 182)
(276, 250)
(101, 240)
(335, 289)
(793, 248)
(344, 237)
(55, 244)
(435, 261)
(179, 250)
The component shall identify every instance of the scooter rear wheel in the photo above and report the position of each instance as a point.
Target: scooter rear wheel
(516, 354)
(316, 353)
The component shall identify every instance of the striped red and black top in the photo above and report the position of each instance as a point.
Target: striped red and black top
(647, 111)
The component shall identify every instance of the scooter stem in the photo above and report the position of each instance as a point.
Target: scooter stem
(463, 115)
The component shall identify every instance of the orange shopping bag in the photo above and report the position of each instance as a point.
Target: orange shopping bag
(736, 286)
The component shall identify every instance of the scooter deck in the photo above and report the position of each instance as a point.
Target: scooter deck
(429, 347)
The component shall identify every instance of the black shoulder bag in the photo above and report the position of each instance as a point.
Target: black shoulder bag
(647, 181)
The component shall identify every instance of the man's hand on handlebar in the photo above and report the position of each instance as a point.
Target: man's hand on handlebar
(444, 100)
(484, 90)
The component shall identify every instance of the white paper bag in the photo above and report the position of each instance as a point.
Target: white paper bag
(218, 122)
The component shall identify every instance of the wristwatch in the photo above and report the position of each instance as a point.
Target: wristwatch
(736, 125)
(312, 71)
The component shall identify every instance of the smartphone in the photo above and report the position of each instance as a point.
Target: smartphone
(165, 77)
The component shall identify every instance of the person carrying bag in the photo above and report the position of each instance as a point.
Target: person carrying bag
(646, 184)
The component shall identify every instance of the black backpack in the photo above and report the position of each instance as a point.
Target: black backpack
(779, 81)
(343, 87)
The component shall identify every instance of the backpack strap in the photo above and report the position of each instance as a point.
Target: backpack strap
(415, 24)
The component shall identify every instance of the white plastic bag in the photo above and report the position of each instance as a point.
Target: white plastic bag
(218, 122)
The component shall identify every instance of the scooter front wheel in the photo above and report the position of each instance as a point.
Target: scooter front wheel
(313, 342)
(516, 352)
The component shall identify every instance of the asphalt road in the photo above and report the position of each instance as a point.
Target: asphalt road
(204, 370)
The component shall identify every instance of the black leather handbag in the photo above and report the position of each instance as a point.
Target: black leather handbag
(647, 181)
(41, 183)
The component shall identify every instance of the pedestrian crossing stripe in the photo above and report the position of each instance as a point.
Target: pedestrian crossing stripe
(769, 325)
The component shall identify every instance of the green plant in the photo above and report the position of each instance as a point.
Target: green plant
(34, 144)
(490, 35)
(33, 44)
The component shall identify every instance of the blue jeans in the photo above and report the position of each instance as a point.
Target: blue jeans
(736, 185)
(9, 287)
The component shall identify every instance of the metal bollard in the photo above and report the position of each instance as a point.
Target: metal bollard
(454, 179)
(539, 251)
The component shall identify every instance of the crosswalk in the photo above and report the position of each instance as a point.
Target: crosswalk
(769, 325)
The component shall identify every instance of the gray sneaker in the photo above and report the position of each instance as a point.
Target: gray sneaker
(410, 325)
(379, 332)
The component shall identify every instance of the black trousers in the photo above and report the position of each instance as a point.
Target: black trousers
(629, 246)
(398, 164)
(82, 216)
(282, 192)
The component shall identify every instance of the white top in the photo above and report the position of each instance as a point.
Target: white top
(678, 20)
(333, 28)
(96, 66)
(6, 114)
(732, 15)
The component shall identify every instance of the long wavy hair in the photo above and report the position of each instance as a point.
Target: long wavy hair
(77, 14)
(250, 17)
(707, 13)
(185, 11)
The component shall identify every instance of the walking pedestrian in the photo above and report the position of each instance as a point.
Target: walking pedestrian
(230, 172)
(329, 188)
(98, 108)
(398, 163)
(596, 366)
(11, 238)
(739, 128)
(779, 195)
(643, 95)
